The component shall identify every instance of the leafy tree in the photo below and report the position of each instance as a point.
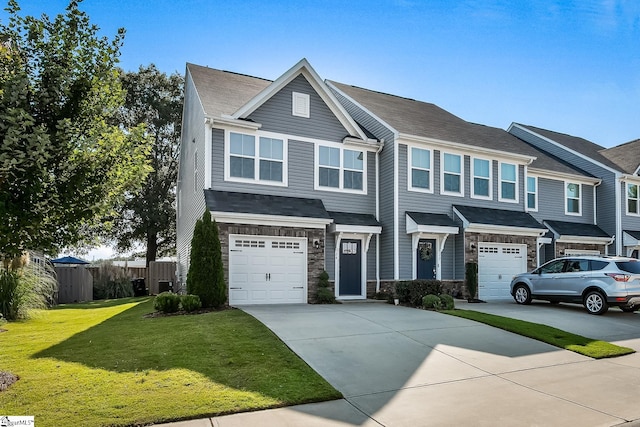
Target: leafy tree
(148, 216)
(63, 163)
(206, 275)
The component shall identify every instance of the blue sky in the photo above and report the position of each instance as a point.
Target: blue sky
(569, 66)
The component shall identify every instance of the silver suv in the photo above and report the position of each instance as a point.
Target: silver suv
(596, 282)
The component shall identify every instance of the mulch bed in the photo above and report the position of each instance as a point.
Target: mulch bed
(184, 313)
(6, 379)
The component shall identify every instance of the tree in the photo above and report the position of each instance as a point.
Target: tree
(148, 216)
(206, 275)
(63, 163)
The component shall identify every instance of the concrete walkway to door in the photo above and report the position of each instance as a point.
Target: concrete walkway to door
(401, 366)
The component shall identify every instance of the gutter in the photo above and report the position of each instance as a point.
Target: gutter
(378, 151)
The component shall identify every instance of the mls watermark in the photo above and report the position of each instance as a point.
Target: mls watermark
(11, 421)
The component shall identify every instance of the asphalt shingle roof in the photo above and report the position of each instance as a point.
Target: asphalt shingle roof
(224, 92)
(428, 120)
(498, 217)
(634, 234)
(581, 145)
(564, 228)
(626, 156)
(261, 204)
(440, 220)
(346, 218)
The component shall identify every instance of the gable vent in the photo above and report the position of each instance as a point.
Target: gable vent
(300, 104)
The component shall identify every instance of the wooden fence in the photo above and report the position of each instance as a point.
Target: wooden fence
(75, 284)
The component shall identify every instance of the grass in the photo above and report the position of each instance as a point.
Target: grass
(556, 337)
(103, 363)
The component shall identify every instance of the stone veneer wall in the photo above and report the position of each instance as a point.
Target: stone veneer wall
(472, 239)
(560, 248)
(315, 257)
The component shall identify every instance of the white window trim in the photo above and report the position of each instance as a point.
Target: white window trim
(566, 197)
(300, 100)
(517, 183)
(626, 198)
(410, 186)
(256, 179)
(535, 178)
(473, 177)
(442, 172)
(340, 189)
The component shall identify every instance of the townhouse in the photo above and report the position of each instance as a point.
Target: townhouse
(304, 175)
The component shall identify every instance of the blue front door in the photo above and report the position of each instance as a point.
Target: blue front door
(426, 259)
(350, 267)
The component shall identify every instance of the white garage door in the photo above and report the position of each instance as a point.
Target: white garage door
(497, 264)
(267, 270)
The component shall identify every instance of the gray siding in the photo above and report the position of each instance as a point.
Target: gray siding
(629, 222)
(453, 254)
(275, 114)
(301, 179)
(386, 182)
(190, 195)
(551, 202)
(606, 198)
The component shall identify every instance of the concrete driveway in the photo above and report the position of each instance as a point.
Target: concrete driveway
(399, 366)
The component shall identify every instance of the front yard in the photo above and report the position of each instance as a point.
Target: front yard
(104, 363)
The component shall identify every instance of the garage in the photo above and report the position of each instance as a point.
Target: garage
(497, 264)
(267, 270)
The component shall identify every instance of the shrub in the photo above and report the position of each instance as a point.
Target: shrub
(471, 278)
(26, 285)
(111, 281)
(411, 292)
(190, 303)
(206, 272)
(431, 302)
(324, 295)
(447, 302)
(167, 302)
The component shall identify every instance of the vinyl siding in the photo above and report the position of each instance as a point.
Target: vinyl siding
(605, 192)
(301, 179)
(275, 114)
(386, 219)
(191, 201)
(551, 202)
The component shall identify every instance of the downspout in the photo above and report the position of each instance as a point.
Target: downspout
(606, 246)
(595, 204)
(378, 213)
(617, 182)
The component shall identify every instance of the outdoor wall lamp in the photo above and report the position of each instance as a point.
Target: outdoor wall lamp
(317, 243)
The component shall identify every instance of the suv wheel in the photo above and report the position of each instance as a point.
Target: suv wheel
(595, 303)
(522, 295)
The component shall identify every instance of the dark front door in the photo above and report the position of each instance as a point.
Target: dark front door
(350, 267)
(426, 256)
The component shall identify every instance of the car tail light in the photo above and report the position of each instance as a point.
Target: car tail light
(619, 277)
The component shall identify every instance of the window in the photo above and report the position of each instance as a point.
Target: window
(420, 166)
(508, 182)
(340, 168)
(481, 179)
(532, 193)
(572, 195)
(300, 102)
(271, 159)
(633, 199)
(263, 164)
(452, 174)
(329, 172)
(353, 166)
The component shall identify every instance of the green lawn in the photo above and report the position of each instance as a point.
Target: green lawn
(556, 337)
(103, 363)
